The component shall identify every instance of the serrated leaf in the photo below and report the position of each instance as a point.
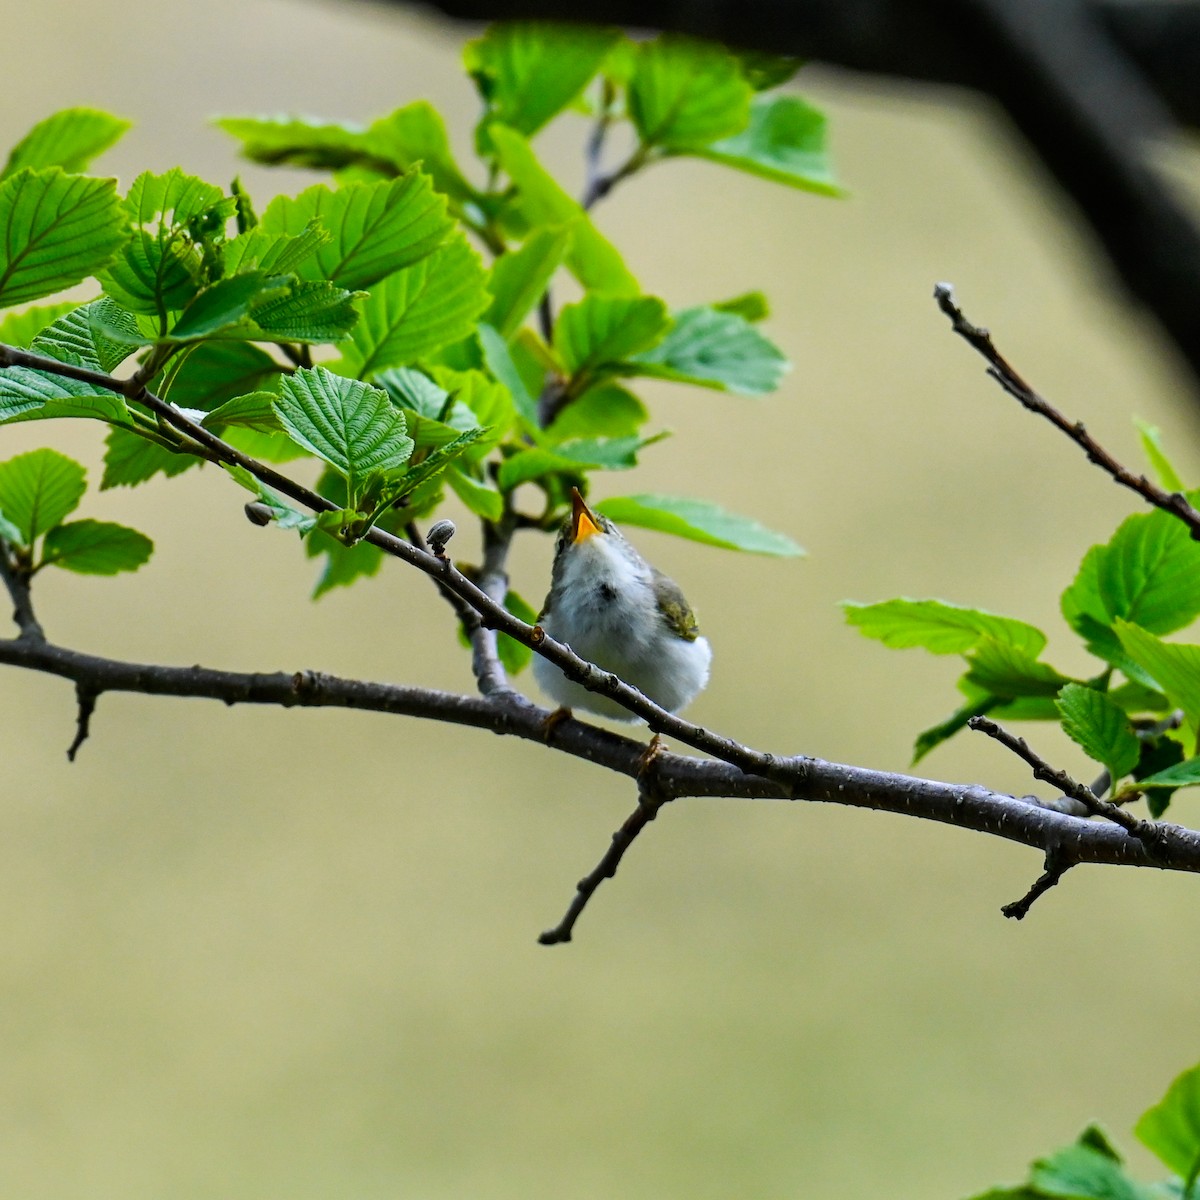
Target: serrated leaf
(528, 72)
(352, 426)
(1151, 439)
(488, 402)
(1170, 1129)
(605, 410)
(433, 464)
(784, 141)
(519, 279)
(130, 459)
(96, 548)
(20, 328)
(161, 267)
(226, 303)
(685, 94)
(1175, 668)
(309, 311)
(1006, 670)
(69, 138)
(26, 394)
(416, 134)
(38, 490)
(699, 521)
(275, 253)
(1182, 774)
(416, 310)
(1086, 1172)
(482, 500)
(577, 457)
(939, 627)
(592, 258)
(1100, 727)
(376, 228)
(255, 410)
(57, 230)
(206, 376)
(600, 333)
(715, 349)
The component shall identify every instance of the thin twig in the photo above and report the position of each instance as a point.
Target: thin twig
(606, 868)
(85, 701)
(1147, 832)
(1001, 370)
(1057, 865)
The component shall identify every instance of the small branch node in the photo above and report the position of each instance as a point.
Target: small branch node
(1057, 865)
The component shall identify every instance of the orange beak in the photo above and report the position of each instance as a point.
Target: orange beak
(583, 522)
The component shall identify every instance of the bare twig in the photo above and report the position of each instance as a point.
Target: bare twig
(1056, 867)
(606, 868)
(1147, 832)
(85, 701)
(1002, 371)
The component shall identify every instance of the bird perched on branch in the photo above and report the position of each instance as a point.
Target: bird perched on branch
(616, 610)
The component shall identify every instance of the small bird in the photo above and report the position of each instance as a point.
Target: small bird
(616, 610)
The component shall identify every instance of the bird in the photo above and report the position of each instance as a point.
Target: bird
(616, 610)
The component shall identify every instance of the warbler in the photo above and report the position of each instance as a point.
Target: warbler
(616, 610)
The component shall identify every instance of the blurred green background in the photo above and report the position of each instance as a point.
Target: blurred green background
(254, 953)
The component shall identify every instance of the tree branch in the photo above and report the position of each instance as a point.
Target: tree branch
(17, 583)
(1000, 370)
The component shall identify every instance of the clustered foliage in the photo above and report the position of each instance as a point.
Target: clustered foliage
(1139, 715)
(398, 325)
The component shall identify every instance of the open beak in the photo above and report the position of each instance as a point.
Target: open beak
(583, 521)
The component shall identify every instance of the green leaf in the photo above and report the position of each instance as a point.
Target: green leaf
(528, 72)
(592, 258)
(434, 464)
(784, 141)
(310, 311)
(58, 230)
(939, 627)
(685, 94)
(38, 490)
(69, 139)
(20, 328)
(1173, 666)
(500, 363)
(352, 426)
(515, 656)
(1182, 774)
(1171, 1128)
(416, 310)
(1151, 438)
(1084, 1171)
(227, 302)
(283, 515)
(489, 402)
(376, 228)
(935, 735)
(161, 268)
(482, 500)
(605, 410)
(1006, 670)
(750, 306)
(699, 521)
(763, 70)
(206, 376)
(416, 134)
(343, 564)
(255, 410)
(519, 279)
(602, 332)
(1096, 723)
(96, 548)
(715, 349)
(275, 253)
(578, 457)
(26, 394)
(130, 459)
